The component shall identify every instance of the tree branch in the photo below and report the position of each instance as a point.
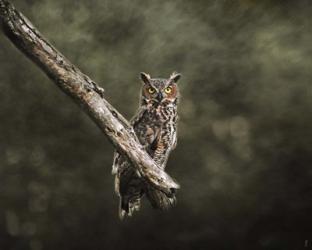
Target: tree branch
(84, 91)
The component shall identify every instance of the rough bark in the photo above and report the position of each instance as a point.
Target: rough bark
(84, 91)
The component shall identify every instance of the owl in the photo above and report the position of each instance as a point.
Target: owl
(155, 125)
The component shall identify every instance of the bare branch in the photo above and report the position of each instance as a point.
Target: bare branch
(84, 91)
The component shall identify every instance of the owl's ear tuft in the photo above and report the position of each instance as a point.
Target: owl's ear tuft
(175, 77)
(145, 77)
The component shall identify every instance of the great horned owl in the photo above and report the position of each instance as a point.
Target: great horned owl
(155, 125)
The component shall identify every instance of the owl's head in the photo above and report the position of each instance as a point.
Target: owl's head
(156, 90)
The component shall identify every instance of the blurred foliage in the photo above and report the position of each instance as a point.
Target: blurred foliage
(245, 142)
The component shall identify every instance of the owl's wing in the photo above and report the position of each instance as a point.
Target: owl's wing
(118, 159)
(116, 162)
(138, 116)
(175, 140)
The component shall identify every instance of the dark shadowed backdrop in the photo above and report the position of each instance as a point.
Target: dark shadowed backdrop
(245, 141)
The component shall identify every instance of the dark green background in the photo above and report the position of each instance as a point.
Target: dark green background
(245, 142)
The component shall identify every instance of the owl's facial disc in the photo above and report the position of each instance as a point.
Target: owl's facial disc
(166, 93)
(158, 90)
(149, 93)
(171, 92)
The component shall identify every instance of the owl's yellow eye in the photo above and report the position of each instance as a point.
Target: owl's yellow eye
(151, 90)
(168, 90)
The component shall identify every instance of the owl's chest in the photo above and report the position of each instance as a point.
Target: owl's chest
(160, 116)
(154, 122)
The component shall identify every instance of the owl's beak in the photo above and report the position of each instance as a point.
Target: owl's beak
(159, 96)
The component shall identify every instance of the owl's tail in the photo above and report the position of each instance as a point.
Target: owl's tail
(159, 199)
(129, 188)
(128, 205)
